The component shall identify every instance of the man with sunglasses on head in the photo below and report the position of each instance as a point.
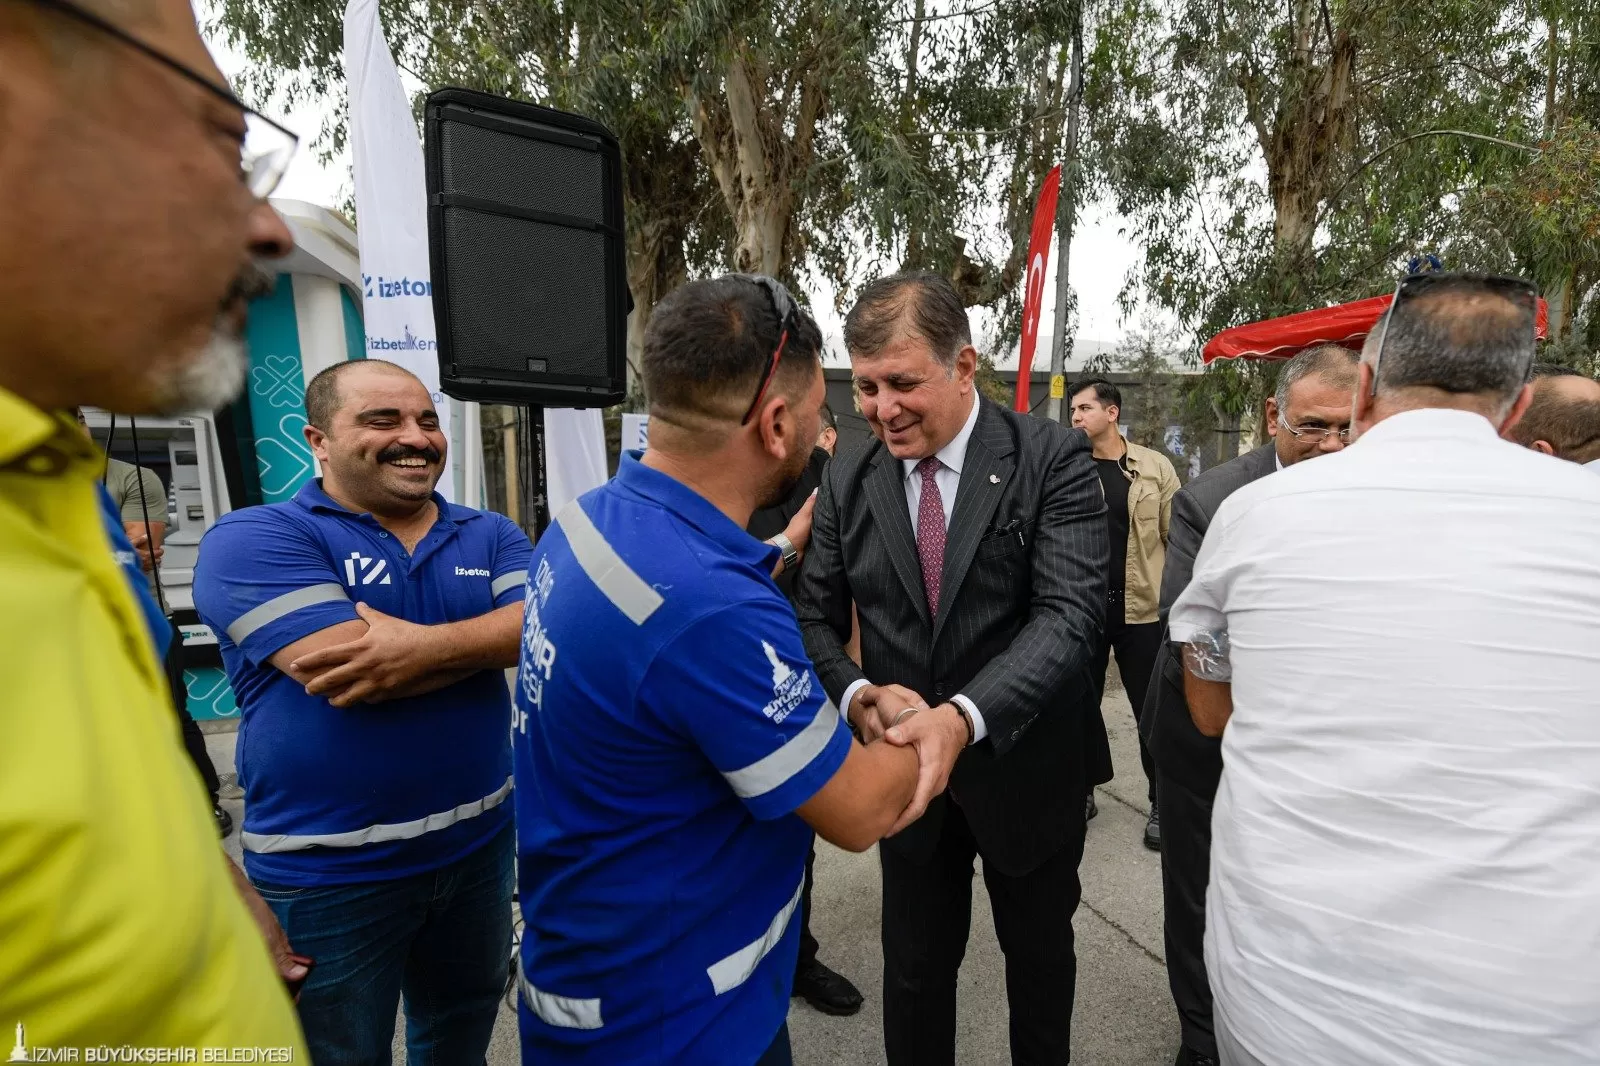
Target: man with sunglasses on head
(1397, 645)
(132, 188)
(674, 750)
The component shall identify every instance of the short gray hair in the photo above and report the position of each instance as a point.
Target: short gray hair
(1330, 361)
(921, 298)
(1458, 335)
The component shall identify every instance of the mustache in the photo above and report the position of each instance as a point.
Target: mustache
(405, 451)
(251, 282)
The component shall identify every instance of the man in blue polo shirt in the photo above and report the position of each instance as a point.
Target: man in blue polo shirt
(365, 625)
(672, 742)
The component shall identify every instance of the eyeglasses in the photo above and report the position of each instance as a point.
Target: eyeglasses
(1517, 290)
(783, 304)
(267, 147)
(1314, 434)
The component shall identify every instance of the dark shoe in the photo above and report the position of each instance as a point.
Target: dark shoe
(224, 820)
(1152, 829)
(1188, 1056)
(825, 990)
(1089, 808)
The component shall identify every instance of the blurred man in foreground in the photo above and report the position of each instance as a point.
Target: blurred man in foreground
(1309, 416)
(1397, 646)
(674, 749)
(1563, 418)
(131, 203)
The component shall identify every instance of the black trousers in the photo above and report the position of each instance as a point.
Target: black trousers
(194, 741)
(1185, 872)
(1136, 647)
(808, 943)
(927, 913)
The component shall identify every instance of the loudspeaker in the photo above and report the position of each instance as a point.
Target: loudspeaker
(525, 241)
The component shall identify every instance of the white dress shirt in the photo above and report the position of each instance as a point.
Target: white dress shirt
(1405, 858)
(948, 477)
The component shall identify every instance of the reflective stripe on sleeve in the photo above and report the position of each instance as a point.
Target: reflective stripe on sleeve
(560, 1011)
(264, 843)
(281, 606)
(736, 969)
(767, 773)
(506, 582)
(625, 589)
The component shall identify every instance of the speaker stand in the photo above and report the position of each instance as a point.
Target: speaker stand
(541, 472)
(533, 473)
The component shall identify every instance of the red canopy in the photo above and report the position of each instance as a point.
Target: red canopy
(1283, 338)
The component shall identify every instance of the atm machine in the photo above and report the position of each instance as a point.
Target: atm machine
(252, 451)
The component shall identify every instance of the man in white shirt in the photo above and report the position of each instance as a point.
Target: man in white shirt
(1403, 643)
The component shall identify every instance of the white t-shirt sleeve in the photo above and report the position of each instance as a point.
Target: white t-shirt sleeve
(1203, 606)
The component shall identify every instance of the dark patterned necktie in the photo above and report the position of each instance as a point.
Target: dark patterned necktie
(930, 532)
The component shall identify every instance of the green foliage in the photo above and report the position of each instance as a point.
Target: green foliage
(1274, 158)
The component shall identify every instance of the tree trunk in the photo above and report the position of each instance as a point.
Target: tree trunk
(1299, 151)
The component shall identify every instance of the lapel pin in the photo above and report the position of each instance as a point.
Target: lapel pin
(994, 479)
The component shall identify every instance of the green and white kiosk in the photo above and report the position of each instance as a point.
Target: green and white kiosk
(253, 451)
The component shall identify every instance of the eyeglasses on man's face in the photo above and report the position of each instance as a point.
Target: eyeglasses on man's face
(265, 148)
(1314, 434)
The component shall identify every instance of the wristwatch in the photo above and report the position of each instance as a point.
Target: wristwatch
(791, 554)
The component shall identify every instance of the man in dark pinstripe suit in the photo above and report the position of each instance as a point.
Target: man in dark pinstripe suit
(973, 542)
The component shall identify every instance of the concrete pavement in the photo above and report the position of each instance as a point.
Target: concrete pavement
(1123, 1015)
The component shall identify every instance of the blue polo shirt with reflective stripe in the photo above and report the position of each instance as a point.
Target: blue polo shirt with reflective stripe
(668, 724)
(376, 791)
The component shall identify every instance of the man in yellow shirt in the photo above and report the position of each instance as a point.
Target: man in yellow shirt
(132, 190)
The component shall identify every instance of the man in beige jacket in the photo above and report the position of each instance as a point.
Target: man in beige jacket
(1139, 483)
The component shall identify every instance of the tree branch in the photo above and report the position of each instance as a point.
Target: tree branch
(1386, 149)
(1024, 124)
(980, 9)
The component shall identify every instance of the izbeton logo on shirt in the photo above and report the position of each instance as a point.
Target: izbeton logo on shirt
(790, 687)
(367, 570)
(471, 571)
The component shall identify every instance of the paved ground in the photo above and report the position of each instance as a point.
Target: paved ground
(1123, 1015)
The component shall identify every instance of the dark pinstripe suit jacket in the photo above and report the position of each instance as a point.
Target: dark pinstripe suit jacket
(1021, 609)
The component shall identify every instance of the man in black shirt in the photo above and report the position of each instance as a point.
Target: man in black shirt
(827, 991)
(1139, 485)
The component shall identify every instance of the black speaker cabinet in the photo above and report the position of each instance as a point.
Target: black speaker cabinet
(525, 241)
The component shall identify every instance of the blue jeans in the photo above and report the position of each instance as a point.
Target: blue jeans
(443, 939)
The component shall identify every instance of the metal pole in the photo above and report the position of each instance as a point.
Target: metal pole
(540, 498)
(1066, 210)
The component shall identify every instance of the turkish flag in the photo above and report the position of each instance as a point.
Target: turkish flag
(1044, 220)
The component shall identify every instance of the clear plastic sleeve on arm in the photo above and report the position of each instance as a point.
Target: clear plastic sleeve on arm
(1207, 657)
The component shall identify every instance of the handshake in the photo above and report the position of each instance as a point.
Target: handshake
(900, 716)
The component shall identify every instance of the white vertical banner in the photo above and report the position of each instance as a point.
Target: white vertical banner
(392, 217)
(574, 454)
